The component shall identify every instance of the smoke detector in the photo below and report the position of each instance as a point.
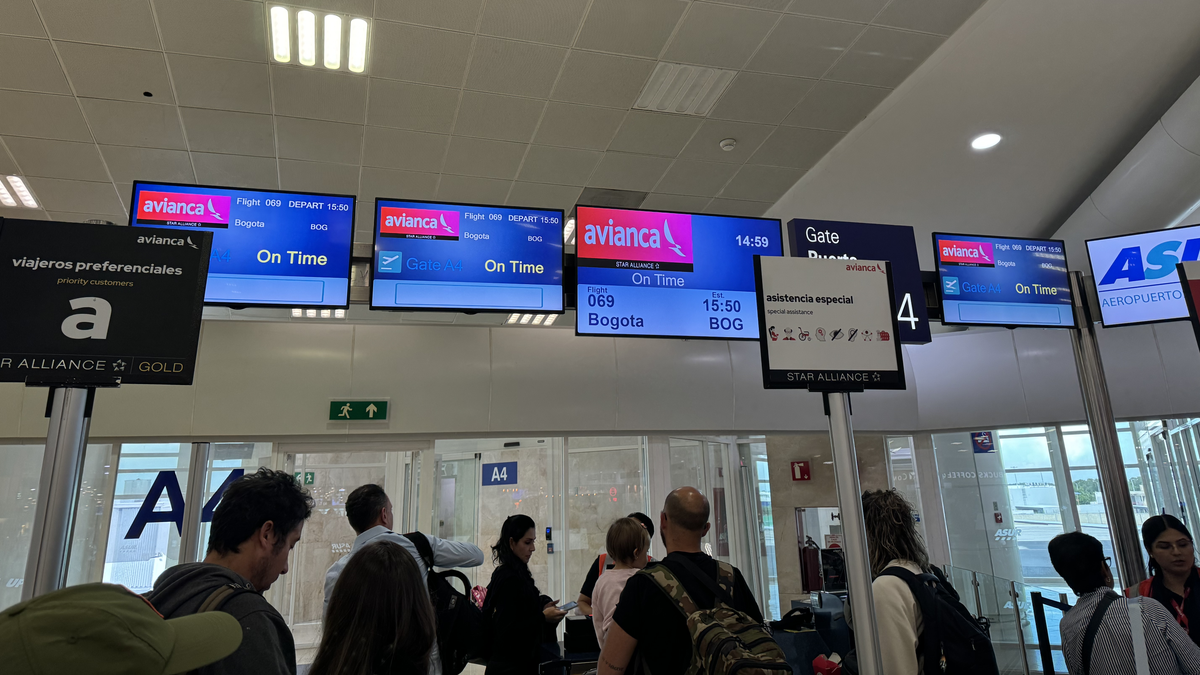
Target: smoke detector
(728, 144)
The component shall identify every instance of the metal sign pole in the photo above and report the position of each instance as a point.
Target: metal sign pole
(858, 562)
(193, 504)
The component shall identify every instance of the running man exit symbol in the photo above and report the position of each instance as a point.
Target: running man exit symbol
(343, 411)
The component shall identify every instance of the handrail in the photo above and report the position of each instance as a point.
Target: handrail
(1043, 633)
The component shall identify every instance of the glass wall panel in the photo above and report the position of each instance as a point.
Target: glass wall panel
(89, 535)
(224, 461)
(902, 470)
(762, 523)
(20, 471)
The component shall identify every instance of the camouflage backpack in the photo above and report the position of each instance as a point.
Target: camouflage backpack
(725, 641)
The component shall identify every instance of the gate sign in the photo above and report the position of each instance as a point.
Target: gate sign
(869, 241)
(98, 302)
(503, 473)
(827, 325)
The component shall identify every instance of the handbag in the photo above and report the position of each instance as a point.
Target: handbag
(800, 618)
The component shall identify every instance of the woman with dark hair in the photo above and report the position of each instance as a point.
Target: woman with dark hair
(380, 620)
(1173, 576)
(515, 611)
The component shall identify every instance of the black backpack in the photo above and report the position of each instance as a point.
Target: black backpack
(950, 632)
(459, 621)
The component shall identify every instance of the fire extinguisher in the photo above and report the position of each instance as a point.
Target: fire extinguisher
(810, 566)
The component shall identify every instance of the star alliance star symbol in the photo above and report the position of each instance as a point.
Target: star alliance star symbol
(118, 365)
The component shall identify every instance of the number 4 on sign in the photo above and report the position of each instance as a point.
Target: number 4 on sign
(499, 474)
(911, 318)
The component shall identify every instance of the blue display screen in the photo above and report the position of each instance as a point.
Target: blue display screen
(440, 256)
(269, 247)
(658, 274)
(998, 281)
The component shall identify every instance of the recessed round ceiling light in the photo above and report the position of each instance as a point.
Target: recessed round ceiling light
(985, 141)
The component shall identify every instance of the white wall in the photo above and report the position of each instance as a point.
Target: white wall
(276, 379)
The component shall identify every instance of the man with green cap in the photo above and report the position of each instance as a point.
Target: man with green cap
(103, 628)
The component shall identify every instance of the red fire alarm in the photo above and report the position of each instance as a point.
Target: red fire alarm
(800, 471)
(999, 518)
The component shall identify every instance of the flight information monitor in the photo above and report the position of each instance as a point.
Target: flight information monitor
(1135, 275)
(1001, 281)
(660, 274)
(269, 247)
(440, 256)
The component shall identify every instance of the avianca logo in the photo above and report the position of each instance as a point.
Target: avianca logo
(966, 253)
(418, 223)
(635, 239)
(179, 208)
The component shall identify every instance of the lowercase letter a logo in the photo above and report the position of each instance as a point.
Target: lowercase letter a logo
(98, 321)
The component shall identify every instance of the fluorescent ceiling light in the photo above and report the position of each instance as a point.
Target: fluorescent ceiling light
(22, 192)
(339, 313)
(537, 320)
(306, 32)
(568, 230)
(297, 312)
(311, 313)
(325, 314)
(550, 319)
(5, 198)
(513, 318)
(357, 61)
(526, 318)
(333, 41)
(281, 39)
(985, 141)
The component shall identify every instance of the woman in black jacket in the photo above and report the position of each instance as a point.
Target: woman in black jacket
(517, 613)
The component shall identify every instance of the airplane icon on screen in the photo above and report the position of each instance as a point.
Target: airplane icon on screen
(389, 261)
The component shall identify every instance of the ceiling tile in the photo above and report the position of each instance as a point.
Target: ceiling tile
(147, 125)
(228, 28)
(473, 190)
(57, 159)
(884, 57)
(506, 118)
(203, 82)
(25, 214)
(761, 183)
(412, 150)
(125, 193)
(563, 166)
(862, 11)
(19, 17)
(795, 147)
(545, 196)
(411, 106)
(652, 133)
(552, 22)
(338, 179)
(773, 5)
(508, 67)
(121, 23)
(30, 65)
(601, 79)
(229, 132)
(757, 97)
(836, 106)
(236, 171)
(483, 158)
(77, 196)
(42, 116)
(67, 217)
(629, 172)
(577, 126)
(734, 207)
(453, 14)
(395, 184)
(128, 164)
(706, 144)
(352, 7)
(634, 27)
(7, 165)
(719, 35)
(319, 141)
(116, 72)
(679, 203)
(319, 94)
(416, 54)
(700, 179)
(931, 16)
(804, 46)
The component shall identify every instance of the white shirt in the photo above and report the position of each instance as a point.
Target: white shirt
(898, 616)
(445, 554)
(1170, 650)
(605, 597)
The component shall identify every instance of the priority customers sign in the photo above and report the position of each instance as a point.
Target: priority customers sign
(94, 303)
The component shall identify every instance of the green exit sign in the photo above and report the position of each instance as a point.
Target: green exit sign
(342, 411)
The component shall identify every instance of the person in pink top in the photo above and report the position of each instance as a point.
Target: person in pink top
(627, 544)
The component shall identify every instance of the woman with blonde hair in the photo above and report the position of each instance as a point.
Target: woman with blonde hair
(627, 544)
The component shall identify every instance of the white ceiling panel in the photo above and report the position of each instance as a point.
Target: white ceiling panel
(143, 124)
(578, 126)
(929, 16)
(229, 132)
(203, 82)
(795, 147)
(706, 144)
(25, 214)
(20, 17)
(632, 27)
(460, 15)
(77, 196)
(719, 35)
(473, 190)
(758, 97)
(483, 158)
(836, 106)
(543, 195)
(804, 46)
(654, 133)
(393, 183)
(232, 29)
(884, 57)
(849, 10)
(341, 179)
(602, 79)
(682, 203)
(506, 118)
(7, 165)
(698, 179)
(319, 94)
(563, 166)
(354, 7)
(116, 72)
(30, 65)
(120, 23)
(128, 164)
(57, 159)
(67, 217)
(125, 194)
(418, 107)
(761, 183)
(397, 149)
(510, 67)
(319, 141)
(236, 170)
(557, 20)
(418, 54)
(629, 172)
(42, 116)
(736, 207)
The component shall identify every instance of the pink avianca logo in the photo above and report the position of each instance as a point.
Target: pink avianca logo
(418, 223)
(634, 239)
(966, 253)
(182, 208)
